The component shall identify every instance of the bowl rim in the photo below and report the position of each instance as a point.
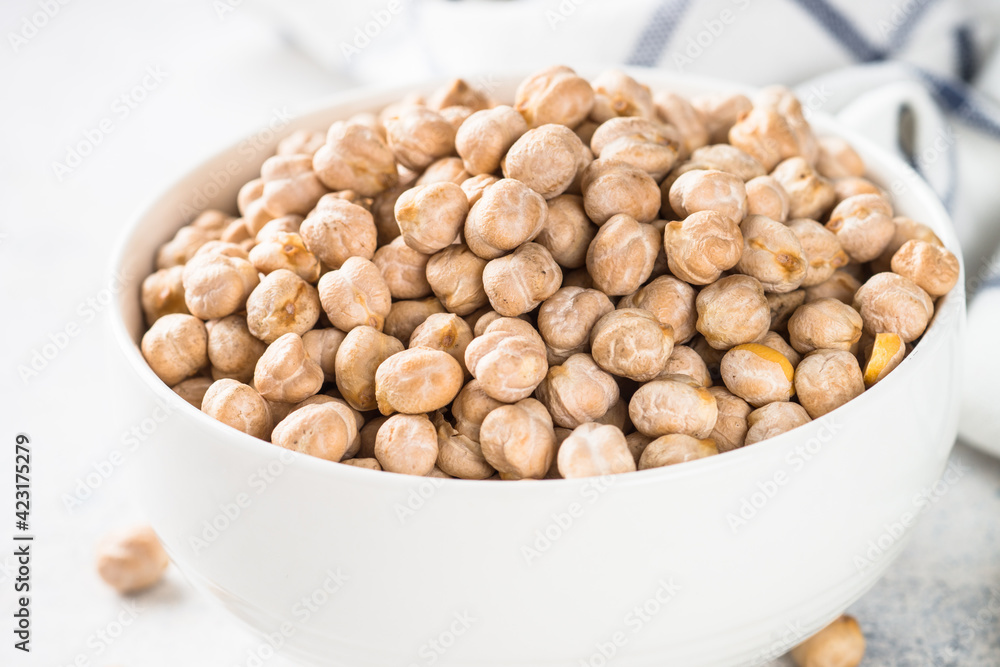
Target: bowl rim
(947, 307)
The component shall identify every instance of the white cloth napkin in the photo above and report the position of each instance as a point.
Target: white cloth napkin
(858, 59)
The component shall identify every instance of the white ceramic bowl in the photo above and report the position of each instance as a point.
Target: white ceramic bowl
(723, 561)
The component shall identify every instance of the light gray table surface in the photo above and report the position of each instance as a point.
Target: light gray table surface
(222, 78)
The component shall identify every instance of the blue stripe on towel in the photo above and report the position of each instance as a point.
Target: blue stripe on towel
(966, 53)
(964, 102)
(899, 36)
(656, 35)
(992, 283)
(840, 27)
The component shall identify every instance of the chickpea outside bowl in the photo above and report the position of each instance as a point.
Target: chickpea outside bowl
(719, 553)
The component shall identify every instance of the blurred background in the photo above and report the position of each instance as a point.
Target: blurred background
(106, 102)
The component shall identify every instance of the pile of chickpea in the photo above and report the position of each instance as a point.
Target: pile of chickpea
(594, 280)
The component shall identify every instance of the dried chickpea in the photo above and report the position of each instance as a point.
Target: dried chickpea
(518, 440)
(772, 254)
(637, 443)
(767, 197)
(677, 111)
(685, 361)
(821, 248)
(358, 358)
(729, 159)
(286, 373)
(518, 282)
(758, 374)
(568, 231)
(720, 111)
(594, 450)
(890, 303)
(318, 430)
(417, 380)
(810, 195)
(175, 347)
(355, 157)
(282, 303)
(371, 463)
(470, 408)
(455, 274)
(577, 391)
(456, 115)
(837, 159)
(566, 318)
(216, 248)
(578, 278)
(301, 142)
(321, 346)
(672, 406)
(508, 360)
(839, 644)
(405, 316)
(446, 332)
(285, 250)
(774, 419)
(733, 311)
(671, 301)
(131, 560)
(826, 379)
(765, 134)
(431, 216)
(675, 448)
(486, 136)
(618, 94)
(841, 286)
(233, 350)
(774, 341)
(611, 187)
(403, 269)
(702, 246)
(458, 92)
(711, 356)
(367, 436)
(554, 95)
(508, 214)
(731, 426)
(238, 405)
(384, 215)
(291, 187)
(906, 230)
(418, 136)
(887, 350)
(459, 455)
(193, 390)
(337, 230)
(407, 444)
(622, 254)
(237, 232)
(547, 159)
(474, 186)
(286, 224)
(163, 294)
(851, 186)
(709, 190)
(250, 203)
(355, 295)
(631, 343)
(182, 247)
(931, 267)
(824, 324)
(863, 225)
(645, 144)
(216, 285)
(443, 170)
(782, 306)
